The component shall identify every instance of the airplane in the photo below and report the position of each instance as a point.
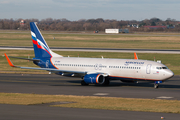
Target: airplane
(94, 70)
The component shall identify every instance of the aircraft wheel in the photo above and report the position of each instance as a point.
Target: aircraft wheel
(83, 83)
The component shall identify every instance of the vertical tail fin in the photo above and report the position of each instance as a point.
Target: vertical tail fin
(41, 49)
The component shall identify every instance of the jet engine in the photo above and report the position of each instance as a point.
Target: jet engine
(94, 79)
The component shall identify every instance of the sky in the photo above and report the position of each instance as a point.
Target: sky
(74, 10)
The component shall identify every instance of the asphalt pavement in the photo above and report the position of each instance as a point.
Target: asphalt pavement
(56, 85)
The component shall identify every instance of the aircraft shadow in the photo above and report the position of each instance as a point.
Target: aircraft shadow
(121, 84)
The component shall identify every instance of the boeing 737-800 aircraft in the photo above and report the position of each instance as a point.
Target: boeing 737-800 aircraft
(94, 70)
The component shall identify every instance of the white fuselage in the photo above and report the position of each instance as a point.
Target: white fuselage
(129, 69)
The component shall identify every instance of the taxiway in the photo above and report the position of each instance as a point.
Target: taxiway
(55, 85)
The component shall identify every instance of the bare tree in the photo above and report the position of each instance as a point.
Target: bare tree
(91, 24)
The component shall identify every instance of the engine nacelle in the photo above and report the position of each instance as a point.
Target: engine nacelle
(94, 78)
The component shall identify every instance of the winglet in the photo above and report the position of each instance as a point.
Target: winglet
(9, 61)
(135, 56)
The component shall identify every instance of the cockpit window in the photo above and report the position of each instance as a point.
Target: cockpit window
(159, 68)
(164, 68)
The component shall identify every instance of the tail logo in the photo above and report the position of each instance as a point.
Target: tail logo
(39, 44)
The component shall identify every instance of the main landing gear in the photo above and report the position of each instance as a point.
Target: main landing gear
(83, 83)
(106, 82)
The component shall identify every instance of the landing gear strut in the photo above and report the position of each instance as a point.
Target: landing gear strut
(156, 85)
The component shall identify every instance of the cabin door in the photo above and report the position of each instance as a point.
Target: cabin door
(148, 69)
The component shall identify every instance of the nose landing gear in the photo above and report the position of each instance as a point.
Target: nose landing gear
(156, 84)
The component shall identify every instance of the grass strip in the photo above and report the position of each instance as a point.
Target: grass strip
(148, 41)
(93, 102)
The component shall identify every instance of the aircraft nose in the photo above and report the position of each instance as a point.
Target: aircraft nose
(169, 74)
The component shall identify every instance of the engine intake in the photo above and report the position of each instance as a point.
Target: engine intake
(94, 78)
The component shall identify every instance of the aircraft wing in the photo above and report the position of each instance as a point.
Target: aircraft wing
(47, 69)
(25, 58)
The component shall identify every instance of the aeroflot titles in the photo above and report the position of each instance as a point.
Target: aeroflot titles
(136, 63)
